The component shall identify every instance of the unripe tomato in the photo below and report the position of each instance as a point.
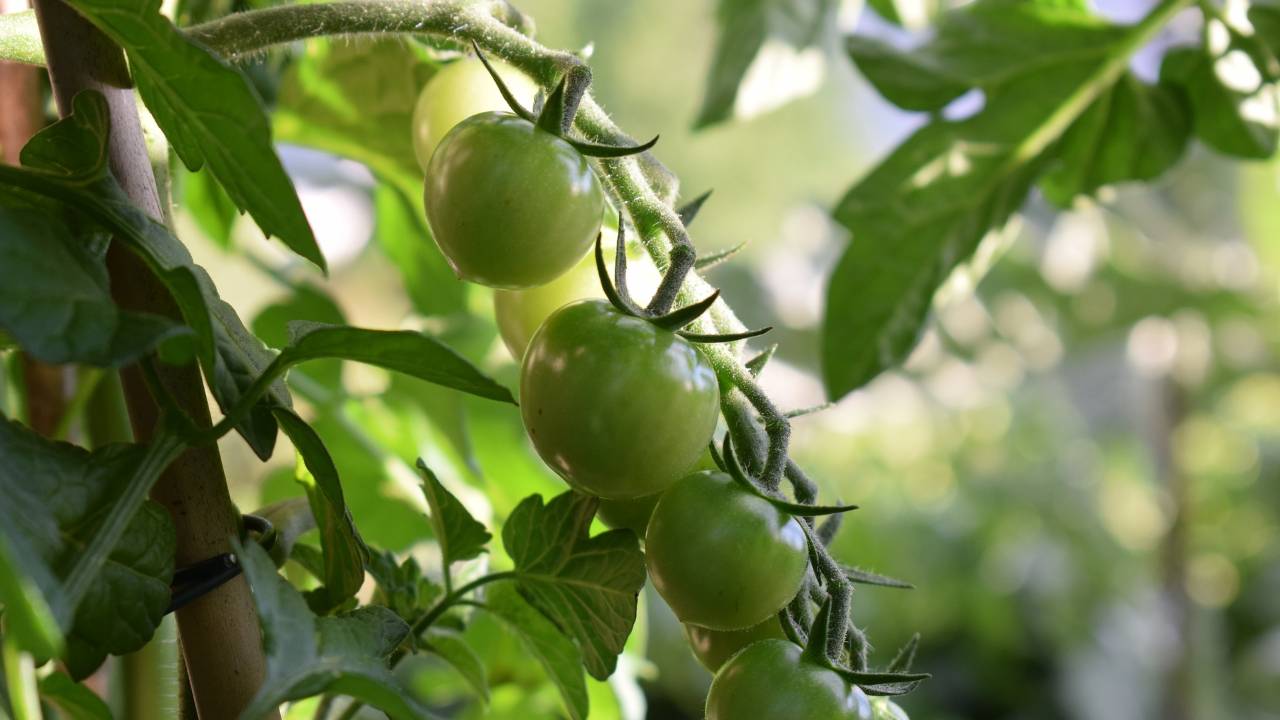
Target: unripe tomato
(619, 407)
(456, 92)
(721, 557)
(714, 647)
(770, 680)
(510, 204)
(633, 514)
(521, 312)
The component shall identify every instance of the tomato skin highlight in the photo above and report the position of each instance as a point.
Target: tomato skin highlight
(722, 558)
(714, 647)
(618, 407)
(510, 205)
(769, 680)
(456, 92)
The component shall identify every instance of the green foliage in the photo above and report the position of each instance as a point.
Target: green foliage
(1058, 99)
(586, 585)
(745, 26)
(557, 654)
(210, 115)
(459, 535)
(55, 300)
(307, 655)
(49, 528)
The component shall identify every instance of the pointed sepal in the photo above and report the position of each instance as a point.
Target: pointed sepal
(680, 317)
(866, 577)
(725, 338)
(619, 301)
(512, 102)
(689, 210)
(611, 151)
(815, 651)
(735, 471)
(756, 364)
(906, 656)
(706, 262)
(553, 118)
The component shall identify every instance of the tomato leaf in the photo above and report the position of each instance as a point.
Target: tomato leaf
(557, 654)
(309, 655)
(402, 586)
(344, 552)
(924, 209)
(210, 114)
(73, 700)
(411, 353)
(66, 162)
(773, 41)
(586, 585)
(291, 519)
(1221, 113)
(55, 299)
(460, 536)
(57, 498)
(449, 646)
(28, 613)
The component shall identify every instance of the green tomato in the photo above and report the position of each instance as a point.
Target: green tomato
(619, 407)
(510, 204)
(456, 92)
(714, 647)
(521, 312)
(633, 514)
(770, 680)
(721, 557)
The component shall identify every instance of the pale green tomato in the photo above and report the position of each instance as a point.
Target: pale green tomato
(714, 647)
(521, 312)
(456, 92)
(882, 708)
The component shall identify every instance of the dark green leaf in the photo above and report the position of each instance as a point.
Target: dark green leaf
(925, 208)
(556, 653)
(66, 162)
(73, 700)
(55, 299)
(1239, 121)
(745, 28)
(449, 646)
(344, 551)
(210, 114)
(411, 353)
(460, 536)
(402, 586)
(910, 80)
(1133, 132)
(586, 585)
(57, 497)
(307, 655)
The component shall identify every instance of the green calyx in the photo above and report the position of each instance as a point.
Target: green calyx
(556, 116)
(615, 289)
(729, 461)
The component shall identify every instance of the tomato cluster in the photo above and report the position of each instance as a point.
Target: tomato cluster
(618, 402)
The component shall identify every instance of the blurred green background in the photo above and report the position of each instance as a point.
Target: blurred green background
(1078, 468)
